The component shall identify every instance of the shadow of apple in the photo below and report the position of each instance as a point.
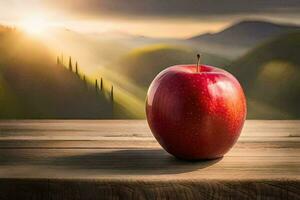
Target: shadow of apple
(132, 161)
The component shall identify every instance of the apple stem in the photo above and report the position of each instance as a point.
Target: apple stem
(198, 63)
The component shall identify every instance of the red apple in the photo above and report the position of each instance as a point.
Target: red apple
(196, 112)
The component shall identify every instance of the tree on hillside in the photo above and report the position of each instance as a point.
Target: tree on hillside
(70, 64)
(101, 84)
(96, 85)
(57, 60)
(76, 68)
(62, 59)
(112, 93)
(84, 80)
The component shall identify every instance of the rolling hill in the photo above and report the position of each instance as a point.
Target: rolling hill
(142, 64)
(270, 75)
(33, 85)
(240, 37)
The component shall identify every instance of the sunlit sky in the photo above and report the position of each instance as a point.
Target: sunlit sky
(154, 18)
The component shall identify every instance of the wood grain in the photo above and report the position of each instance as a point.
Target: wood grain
(76, 159)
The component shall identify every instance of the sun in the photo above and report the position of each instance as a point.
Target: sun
(34, 25)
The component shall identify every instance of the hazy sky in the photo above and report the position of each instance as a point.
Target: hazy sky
(158, 18)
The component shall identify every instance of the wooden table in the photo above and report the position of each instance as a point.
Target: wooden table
(121, 160)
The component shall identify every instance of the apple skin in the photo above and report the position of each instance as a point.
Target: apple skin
(196, 115)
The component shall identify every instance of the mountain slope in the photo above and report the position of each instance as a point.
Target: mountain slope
(32, 85)
(270, 75)
(242, 36)
(94, 50)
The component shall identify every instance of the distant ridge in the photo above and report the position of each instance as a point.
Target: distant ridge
(241, 36)
(246, 33)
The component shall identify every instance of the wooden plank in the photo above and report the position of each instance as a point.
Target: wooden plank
(138, 163)
(97, 129)
(131, 143)
(56, 189)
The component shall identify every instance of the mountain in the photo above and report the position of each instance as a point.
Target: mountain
(240, 37)
(270, 75)
(33, 85)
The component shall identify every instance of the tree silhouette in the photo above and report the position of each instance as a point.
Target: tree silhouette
(57, 60)
(70, 64)
(101, 84)
(76, 68)
(96, 85)
(62, 58)
(112, 93)
(84, 80)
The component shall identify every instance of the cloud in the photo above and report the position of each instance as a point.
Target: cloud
(176, 8)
